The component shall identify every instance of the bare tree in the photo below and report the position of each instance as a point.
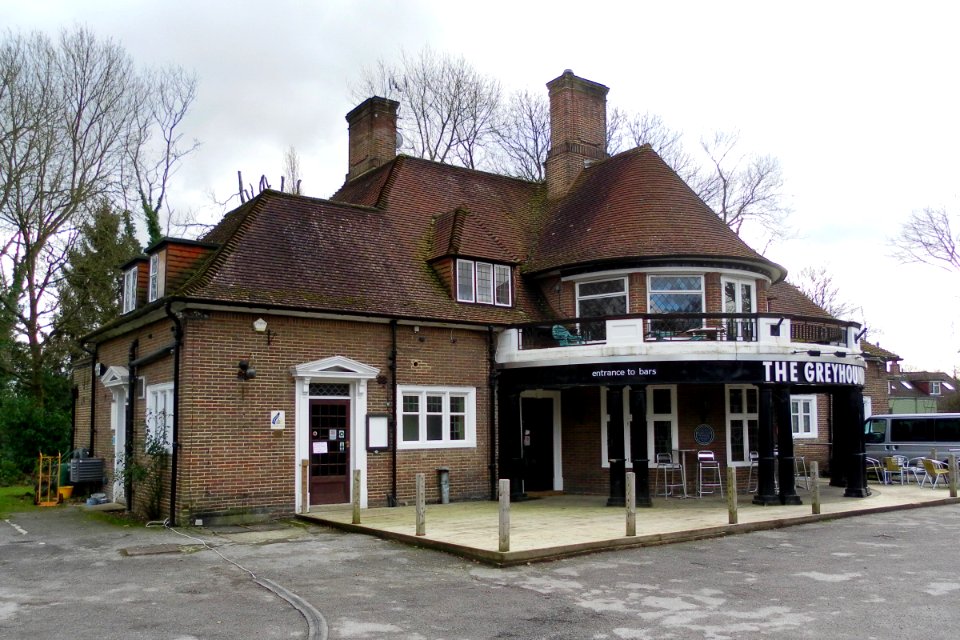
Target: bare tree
(740, 187)
(448, 110)
(927, 237)
(817, 284)
(291, 171)
(523, 136)
(157, 144)
(69, 112)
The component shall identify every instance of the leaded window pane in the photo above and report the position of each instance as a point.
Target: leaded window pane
(602, 307)
(484, 283)
(602, 287)
(411, 404)
(465, 280)
(662, 436)
(337, 390)
(503, 284)
(676, 303)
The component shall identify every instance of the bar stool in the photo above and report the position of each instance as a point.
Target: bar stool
(669, 470)
(707, 466)
(753, 476)
(800, 470)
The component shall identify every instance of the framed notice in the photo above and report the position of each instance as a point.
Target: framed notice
(378, 431)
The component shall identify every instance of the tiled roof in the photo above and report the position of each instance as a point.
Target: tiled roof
(324, 255)
(634, 206)
(877, 351)
(783, 297)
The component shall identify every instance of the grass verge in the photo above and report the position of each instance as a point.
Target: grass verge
(16, 499)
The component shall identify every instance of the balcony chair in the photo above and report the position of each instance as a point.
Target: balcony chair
(708, 473)
(671, 472)
(564, 338)
(914, 467)
(874, 465)
(753, 475)
(934, 470)
(895, 466)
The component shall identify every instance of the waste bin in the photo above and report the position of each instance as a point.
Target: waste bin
(443, 480)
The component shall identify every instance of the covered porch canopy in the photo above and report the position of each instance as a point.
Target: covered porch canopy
(774, 379)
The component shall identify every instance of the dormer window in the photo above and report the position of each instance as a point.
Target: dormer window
(129, 290)
(484, 283)
(934, 387)
(155, 290)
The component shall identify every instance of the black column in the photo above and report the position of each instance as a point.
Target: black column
(615, 452)
(840, 440)
(787, 478)
(856, 470)
(638, 444)
(511, 444)
(766, 491)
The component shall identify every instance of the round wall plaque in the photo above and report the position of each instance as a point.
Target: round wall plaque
(703, 434)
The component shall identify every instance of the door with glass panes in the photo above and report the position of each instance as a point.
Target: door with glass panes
(329, 451)
(743, 420)
(739, 296)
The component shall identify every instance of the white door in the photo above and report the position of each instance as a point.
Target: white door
(118, 421)
(739, 296)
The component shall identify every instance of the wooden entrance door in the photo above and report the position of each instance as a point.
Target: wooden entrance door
(329, 451)
(536, 415)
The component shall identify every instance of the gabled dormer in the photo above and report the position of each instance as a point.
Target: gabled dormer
(165, 268)
(134, 292)
(470, 262)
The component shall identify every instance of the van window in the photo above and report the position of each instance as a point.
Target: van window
(875, 431)
(911, 430)
(947, 429)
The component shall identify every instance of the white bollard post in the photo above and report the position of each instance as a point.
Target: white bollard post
(421, 505)
(631, 503)
(732, 494)
(504, 515)
(815, 477)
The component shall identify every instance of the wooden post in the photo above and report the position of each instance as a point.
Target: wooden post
(732, 494)
(356, 496)
(631, 503)
(421, 505)
(304, 486)
(952, 466)
(815, 478)
(504, 515)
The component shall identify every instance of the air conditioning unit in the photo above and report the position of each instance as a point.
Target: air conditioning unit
(86, 470)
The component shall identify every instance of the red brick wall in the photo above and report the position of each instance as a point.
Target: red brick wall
(231, 462)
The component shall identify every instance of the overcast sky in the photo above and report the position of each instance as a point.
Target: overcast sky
(858, 101)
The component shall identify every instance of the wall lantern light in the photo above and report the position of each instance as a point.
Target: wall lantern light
(245, 371)
(260, 326)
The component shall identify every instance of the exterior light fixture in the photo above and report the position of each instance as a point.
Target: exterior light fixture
(245, 371)
(813, 352)
(260, 326)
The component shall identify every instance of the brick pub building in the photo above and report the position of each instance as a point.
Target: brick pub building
(430, 316)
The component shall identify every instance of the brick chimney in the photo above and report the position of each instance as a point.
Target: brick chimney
(578, 129)
(373, 135)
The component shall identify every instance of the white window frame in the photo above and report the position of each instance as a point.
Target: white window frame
(160, 413)
(662, 417)
(811, 413)
(935, 388)
(625, 294)
(502, 274)
(156, 282)
(469, 394)
(744, 418)
(467, 274)
(130, 289)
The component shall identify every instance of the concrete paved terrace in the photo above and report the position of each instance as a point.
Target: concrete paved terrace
(553, 527)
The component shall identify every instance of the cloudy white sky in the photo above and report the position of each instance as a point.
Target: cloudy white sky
(858, 100)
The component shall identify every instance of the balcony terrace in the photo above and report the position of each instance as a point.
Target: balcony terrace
(697, 336)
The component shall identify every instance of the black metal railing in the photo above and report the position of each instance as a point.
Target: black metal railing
(684, 327)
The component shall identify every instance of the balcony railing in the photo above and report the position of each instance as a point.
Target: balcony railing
(687, 327)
